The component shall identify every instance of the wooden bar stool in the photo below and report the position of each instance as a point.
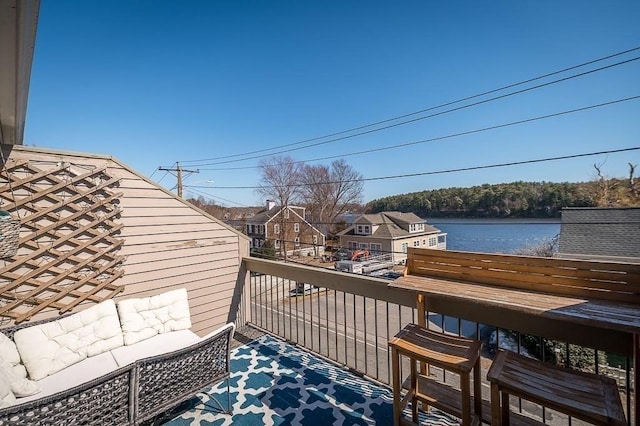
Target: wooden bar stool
(456, 354)
(585, 396)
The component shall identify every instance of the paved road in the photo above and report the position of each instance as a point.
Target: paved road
(351, 330)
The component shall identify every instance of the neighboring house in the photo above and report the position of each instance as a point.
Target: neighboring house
(288, 230)
(600, 233)
(391, 232)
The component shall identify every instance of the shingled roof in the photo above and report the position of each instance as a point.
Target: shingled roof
(600, 231)
(391, 224)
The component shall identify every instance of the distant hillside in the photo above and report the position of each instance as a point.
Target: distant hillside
(517, 199)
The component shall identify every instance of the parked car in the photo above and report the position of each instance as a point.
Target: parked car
(301, 289)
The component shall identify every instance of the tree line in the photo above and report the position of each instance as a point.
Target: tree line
(328, 191)
(516, 199)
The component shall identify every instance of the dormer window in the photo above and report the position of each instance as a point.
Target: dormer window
(360, 229)
(416, 227)
(367, 229)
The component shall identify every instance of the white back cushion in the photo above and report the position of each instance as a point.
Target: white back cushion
(48, 348)
(145, 317)
(9, 353)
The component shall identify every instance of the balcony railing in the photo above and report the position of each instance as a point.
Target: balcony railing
(348, 318)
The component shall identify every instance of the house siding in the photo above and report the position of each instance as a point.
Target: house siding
(287, 234)
(169, 244)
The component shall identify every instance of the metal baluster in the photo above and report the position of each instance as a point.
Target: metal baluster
(355, 337)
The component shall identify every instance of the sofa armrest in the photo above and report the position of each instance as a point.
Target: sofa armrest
(166, 380)
(224, 329)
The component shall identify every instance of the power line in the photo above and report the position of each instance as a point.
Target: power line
(248, 156)
(190, 188)
(462, 169)
(466, 133)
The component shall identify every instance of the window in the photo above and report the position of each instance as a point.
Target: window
(404, 247)
(352, 245)
(433, 241)
(363, 246)
(296, 227)
(424, 242)
(376, 248)
(277, 245)
(442, 239)
(315, 239)
(366, 229)
(416, 243)
(276, 229)
(297, 241)
(248, 229)
(359, 229)
(286, 214)
(414, 227)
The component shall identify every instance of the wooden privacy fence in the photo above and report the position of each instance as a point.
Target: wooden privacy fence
(68, 247)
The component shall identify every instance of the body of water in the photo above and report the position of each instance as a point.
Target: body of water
(496, 235)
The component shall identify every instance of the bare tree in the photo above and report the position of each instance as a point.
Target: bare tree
(634, 188)
(280, 182)
(328, 191)
(605, 196)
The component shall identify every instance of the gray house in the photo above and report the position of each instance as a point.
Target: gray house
(600, 233)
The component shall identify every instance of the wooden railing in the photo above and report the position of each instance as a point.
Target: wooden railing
(349, 318)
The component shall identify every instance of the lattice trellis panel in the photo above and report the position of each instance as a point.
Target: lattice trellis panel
(69, 248)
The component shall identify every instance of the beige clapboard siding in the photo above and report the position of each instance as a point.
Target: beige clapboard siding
(182, 251)
(168, 244)
(169, 269)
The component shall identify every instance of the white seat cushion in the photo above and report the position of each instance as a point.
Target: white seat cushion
(48, 348)
(157, 345)
(77, 374)
(146, 317)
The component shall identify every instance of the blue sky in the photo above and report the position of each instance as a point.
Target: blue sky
(155, 82)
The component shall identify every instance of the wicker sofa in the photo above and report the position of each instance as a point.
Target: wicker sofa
(156, 364)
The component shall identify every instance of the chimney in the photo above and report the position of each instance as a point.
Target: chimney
(270, 204)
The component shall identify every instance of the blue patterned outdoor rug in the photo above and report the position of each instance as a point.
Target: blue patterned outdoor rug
(275, 383)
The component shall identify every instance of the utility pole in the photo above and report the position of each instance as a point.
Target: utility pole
(178, 171)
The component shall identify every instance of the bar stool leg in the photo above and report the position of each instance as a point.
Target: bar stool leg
(477, 390)
(495, 405)
(395, 362)
(465, 387)
(505, 408)
(414, 389)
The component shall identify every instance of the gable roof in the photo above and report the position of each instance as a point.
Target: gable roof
(264, 215)
(389, 225)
